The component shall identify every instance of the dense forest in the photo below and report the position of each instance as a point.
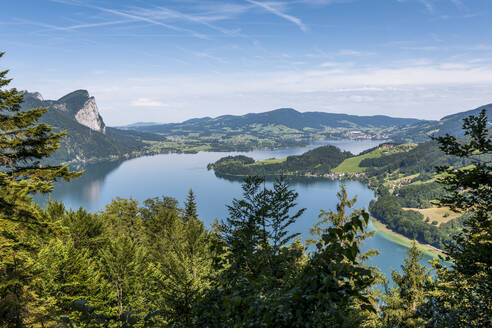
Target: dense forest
(155, 264)
(316, 161)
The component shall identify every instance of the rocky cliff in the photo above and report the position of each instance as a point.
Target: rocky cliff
(88, 139)
(89, 116)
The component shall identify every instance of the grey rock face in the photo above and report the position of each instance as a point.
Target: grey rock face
(89, 116)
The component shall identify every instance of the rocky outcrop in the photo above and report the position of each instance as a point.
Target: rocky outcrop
(35, 95)
(89, 116)
(87, 138)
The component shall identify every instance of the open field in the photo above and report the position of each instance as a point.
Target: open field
(351, 165)
(436, 214)
(268, 161)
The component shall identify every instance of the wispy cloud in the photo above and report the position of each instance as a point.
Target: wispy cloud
(428, 5)
(162, 13)
(151, 21)
(134, 16)
(271, 8)
(146, 102)
(458, 3)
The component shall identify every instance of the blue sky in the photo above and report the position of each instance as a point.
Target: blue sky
(170, 60)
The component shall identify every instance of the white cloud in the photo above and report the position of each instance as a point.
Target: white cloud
(408, 91)
(146, 102)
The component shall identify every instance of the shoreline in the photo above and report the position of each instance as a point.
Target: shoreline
(404, 241)
(379, 226)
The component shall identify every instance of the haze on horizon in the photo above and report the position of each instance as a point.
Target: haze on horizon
(171, 60)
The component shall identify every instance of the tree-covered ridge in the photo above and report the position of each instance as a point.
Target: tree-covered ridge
(450, 124)
(314, 162)
(385, 162)
(283, 122)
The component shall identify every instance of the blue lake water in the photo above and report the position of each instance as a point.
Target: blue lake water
(174, 174)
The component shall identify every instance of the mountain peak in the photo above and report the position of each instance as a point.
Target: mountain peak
(84, 108)
(81, 93)
(284, 111)
(35, 95)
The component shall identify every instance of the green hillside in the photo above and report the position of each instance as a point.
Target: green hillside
(352, 164)
(284, 123)
(452, 124)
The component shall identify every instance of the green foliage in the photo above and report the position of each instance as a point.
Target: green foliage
(421, 159)
(419, 195)
(23, 145)
(450, 124)
(461, 295)
(270, 284)
(190, 206)
(387, 209)
(334, 287)
(408, 293)
(317, 161)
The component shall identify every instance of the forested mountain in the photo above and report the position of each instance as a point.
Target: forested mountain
(452, 124)
(284, 121)
(88, 138)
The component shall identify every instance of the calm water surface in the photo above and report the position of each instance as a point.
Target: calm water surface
(174, 174)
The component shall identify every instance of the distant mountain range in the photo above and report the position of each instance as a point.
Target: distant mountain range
(89, 139)
(284, 120)
(452, 124)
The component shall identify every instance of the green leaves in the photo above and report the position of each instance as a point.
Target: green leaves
(461, 295)
(282, 287)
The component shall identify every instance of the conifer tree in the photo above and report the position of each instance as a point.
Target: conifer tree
(190, 206)
(461, 295)
(334, 288)
(23, 146)
(259, 262)
(184, 268)
(67, 274)
(407, 294)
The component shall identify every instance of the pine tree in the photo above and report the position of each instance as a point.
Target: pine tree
(67, 274)
(185, 267)
(334, 288)
(23, 146)
(401, 301)
(259, 262)
(461, 295)
(190, 206)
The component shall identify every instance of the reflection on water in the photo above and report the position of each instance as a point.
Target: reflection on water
(86, 189)
(174, 174)
(152, 176)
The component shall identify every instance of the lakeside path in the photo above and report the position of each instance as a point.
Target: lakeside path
(395, 237)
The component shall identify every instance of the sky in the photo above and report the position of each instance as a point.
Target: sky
(171, 60)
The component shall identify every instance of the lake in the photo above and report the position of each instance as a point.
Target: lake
(174, 174)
